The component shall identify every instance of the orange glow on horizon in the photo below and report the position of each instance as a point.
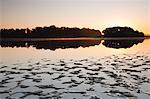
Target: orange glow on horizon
(93, 14)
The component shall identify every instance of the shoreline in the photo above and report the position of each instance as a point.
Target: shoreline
(79, 38)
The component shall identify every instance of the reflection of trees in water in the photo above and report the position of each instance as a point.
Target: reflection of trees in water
(63, 44)
(51, 44)
(121, 43)
(12, 44)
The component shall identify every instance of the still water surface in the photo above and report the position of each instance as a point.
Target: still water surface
(75, 68)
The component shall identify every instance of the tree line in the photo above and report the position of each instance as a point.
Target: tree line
(66, 32)
(49, 32)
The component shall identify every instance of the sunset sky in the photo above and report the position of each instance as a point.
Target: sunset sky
(96, 14)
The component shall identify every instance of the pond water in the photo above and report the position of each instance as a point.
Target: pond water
(80, 68)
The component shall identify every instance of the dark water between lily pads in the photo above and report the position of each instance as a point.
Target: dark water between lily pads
(80, 68)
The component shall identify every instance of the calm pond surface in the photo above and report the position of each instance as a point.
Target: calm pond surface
(75, 68)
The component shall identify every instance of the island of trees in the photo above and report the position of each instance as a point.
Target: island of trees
(66, 32)
(122, 32)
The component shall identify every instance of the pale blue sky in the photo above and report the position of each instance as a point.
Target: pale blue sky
(97, 14)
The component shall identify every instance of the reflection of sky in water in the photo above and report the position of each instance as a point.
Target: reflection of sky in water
(21, 54)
